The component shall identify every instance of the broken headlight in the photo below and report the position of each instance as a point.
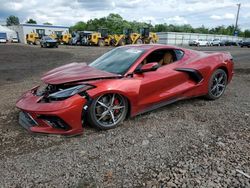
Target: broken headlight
(66, 93)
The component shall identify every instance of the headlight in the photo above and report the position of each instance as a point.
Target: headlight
(41, 89)
(69, 92)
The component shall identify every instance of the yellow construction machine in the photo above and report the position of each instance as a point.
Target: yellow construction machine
(131, 37)
(65, 38)
(148, 37)
(33, 38)
(118, 40)
(100, 38)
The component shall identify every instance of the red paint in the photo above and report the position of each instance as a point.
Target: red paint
(142, 90)
(74, 72)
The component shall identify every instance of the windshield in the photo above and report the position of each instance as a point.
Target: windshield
(47, 38)
(117, 60)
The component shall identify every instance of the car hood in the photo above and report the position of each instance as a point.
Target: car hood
(75, 72)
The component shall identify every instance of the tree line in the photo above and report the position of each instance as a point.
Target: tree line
(114, 23)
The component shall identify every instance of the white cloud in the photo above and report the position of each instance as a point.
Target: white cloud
(176, 20)
(64, 12)
(228, 16)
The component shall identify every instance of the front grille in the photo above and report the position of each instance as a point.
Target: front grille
(55, 122)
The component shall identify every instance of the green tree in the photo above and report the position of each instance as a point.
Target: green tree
(116, 24)
(12, 20)
(79, 26)
(31, 21)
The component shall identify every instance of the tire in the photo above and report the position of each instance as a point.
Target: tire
(104, 114)
(100, 42)
(217, 84)
(121, 42)
(139, 41)
(37, 42)
(151, 41)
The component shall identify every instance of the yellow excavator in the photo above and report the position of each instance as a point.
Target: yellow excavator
(33, 38)
(132, 37)
(148, 37)
(65, 38)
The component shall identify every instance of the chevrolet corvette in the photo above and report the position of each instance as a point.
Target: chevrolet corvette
(124, 82)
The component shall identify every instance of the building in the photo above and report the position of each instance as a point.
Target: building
(10, 34)
(23, 29)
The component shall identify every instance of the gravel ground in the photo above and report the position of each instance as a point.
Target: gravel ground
(192, 143)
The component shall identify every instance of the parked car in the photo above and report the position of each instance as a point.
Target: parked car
(47, 42)
(229, 43)
(245, 43)
(14, 40)
(124, 82)
(215, 42)
(3, 37)
(198, 42)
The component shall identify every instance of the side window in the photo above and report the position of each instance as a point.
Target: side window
(163, 57)
(179, 54)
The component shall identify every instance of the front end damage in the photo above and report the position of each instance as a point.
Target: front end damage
(54, 109)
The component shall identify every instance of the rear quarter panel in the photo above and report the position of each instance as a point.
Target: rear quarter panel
(206, 63)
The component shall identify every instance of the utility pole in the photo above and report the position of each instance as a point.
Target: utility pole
(237, 18)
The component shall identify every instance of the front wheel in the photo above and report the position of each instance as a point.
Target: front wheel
(217, 84)
(108, 111)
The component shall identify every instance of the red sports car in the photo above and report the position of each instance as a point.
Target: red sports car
(124, 82)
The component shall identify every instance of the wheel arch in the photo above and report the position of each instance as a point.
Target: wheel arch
(223, 68)
(123, 94)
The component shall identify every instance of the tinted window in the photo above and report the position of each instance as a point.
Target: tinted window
(179, 54)
(118, 60)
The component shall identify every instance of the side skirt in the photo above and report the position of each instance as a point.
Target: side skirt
(159, 105)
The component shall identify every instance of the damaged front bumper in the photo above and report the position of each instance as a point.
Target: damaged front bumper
(57, 117)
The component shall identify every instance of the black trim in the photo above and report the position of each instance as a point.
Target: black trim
(26, 121)
(194, 74)
(159, 105)
(55, 122)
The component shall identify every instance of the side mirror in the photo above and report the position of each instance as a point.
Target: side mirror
(148, 67)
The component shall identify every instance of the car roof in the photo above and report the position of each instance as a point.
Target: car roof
(150, 46)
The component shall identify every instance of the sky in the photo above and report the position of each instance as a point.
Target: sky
(209, 13)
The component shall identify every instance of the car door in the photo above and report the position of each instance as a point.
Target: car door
(161, 86)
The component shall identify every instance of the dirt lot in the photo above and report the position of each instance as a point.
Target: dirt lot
(192, 143)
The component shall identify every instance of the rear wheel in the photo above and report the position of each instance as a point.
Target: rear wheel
(108, 111)
(139, 41)
(151, 41)
(217, 84)
(122, 42)
(100, 42)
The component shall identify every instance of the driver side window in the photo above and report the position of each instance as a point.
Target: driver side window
(162, 57)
